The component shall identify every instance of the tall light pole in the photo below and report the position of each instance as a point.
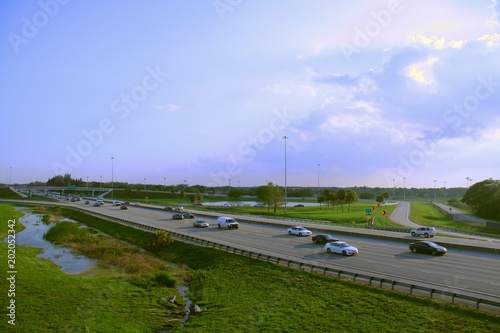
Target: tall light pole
(444, 191)
(435, 190)
(317, 192)
(404, 188)
(285, 138)
(112, 167)
(467, 178)
(165, 184)
(87, 181)
(394, 188)
(10, 176)
(100, 181)
(144, 183)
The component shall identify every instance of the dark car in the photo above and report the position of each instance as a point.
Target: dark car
(177, 216)
(188, 215)
(123, 207)
(168, 208)
(427, 247)
(324, 238)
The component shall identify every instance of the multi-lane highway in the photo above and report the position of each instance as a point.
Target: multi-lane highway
(457, 271)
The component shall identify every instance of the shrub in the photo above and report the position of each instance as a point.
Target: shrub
(161, 240)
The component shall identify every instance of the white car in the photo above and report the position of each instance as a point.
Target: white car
(200, 224)
(424, 231)
(341, 248)
(298, 230)
(117, 203)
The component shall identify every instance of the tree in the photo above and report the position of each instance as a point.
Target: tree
(235, 193)
(270, 195)
(351, 196)
(484, 198)
(341, 195)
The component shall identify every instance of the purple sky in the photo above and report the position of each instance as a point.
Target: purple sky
(372, 93)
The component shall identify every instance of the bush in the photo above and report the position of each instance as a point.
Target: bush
(164, 279)
(161, 240)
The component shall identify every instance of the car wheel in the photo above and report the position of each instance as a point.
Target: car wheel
(328, 250)
(300, 234)
(219, 226)
(414, 250)
(426, 235)
(433, 253)
(344, 253)
(413, 234)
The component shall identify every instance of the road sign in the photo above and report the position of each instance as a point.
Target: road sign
(384, 212)
(368, 212)
(72, 187)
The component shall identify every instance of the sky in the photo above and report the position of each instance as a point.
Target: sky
(240, 93)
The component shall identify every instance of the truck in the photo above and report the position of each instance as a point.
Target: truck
(227, 222)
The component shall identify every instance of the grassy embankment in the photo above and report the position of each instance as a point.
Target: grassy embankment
(427, 214)
(237, 294)
(131, 297)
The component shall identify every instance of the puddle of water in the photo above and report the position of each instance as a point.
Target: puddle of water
(32, 236)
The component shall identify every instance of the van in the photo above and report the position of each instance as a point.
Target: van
(227, 222)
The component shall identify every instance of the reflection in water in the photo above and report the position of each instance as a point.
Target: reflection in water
(62, 256)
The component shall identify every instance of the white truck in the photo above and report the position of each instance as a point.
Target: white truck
(227, 222)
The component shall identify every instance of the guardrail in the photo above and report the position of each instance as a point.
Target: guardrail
(413, 287)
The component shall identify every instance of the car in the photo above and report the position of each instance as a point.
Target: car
(299, 205)
(100, 201)
(197, 204)
(188, 215)
(225, 205)
(87, 202)
(299, 230)
(179, 207)
(96, 204)
(177, 216)
(258, 205)
(116, 203)
(227, 222)
(324, 238)
(168, 208)
(123, 207)
(200, 224)
(423, 231)
(427, 247)
(342, 248)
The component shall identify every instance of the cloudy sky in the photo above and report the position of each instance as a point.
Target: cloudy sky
(375, 93)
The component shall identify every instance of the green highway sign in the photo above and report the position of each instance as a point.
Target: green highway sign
(368, 212)
(72, 187)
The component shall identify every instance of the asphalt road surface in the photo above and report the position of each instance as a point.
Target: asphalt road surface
(458, 270)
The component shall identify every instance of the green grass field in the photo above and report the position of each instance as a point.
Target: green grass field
(237, 294)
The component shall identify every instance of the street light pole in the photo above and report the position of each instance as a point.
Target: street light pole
(394, 188)
(285, 138)
(317, 192)
(404, 188)
(112, 166)
(435, 190)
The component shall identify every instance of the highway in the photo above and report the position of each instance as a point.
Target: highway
(458, 270)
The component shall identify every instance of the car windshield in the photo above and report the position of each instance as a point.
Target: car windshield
(344, 245)
(432, 244)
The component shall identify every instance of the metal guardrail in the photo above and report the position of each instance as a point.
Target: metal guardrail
(454, 297)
